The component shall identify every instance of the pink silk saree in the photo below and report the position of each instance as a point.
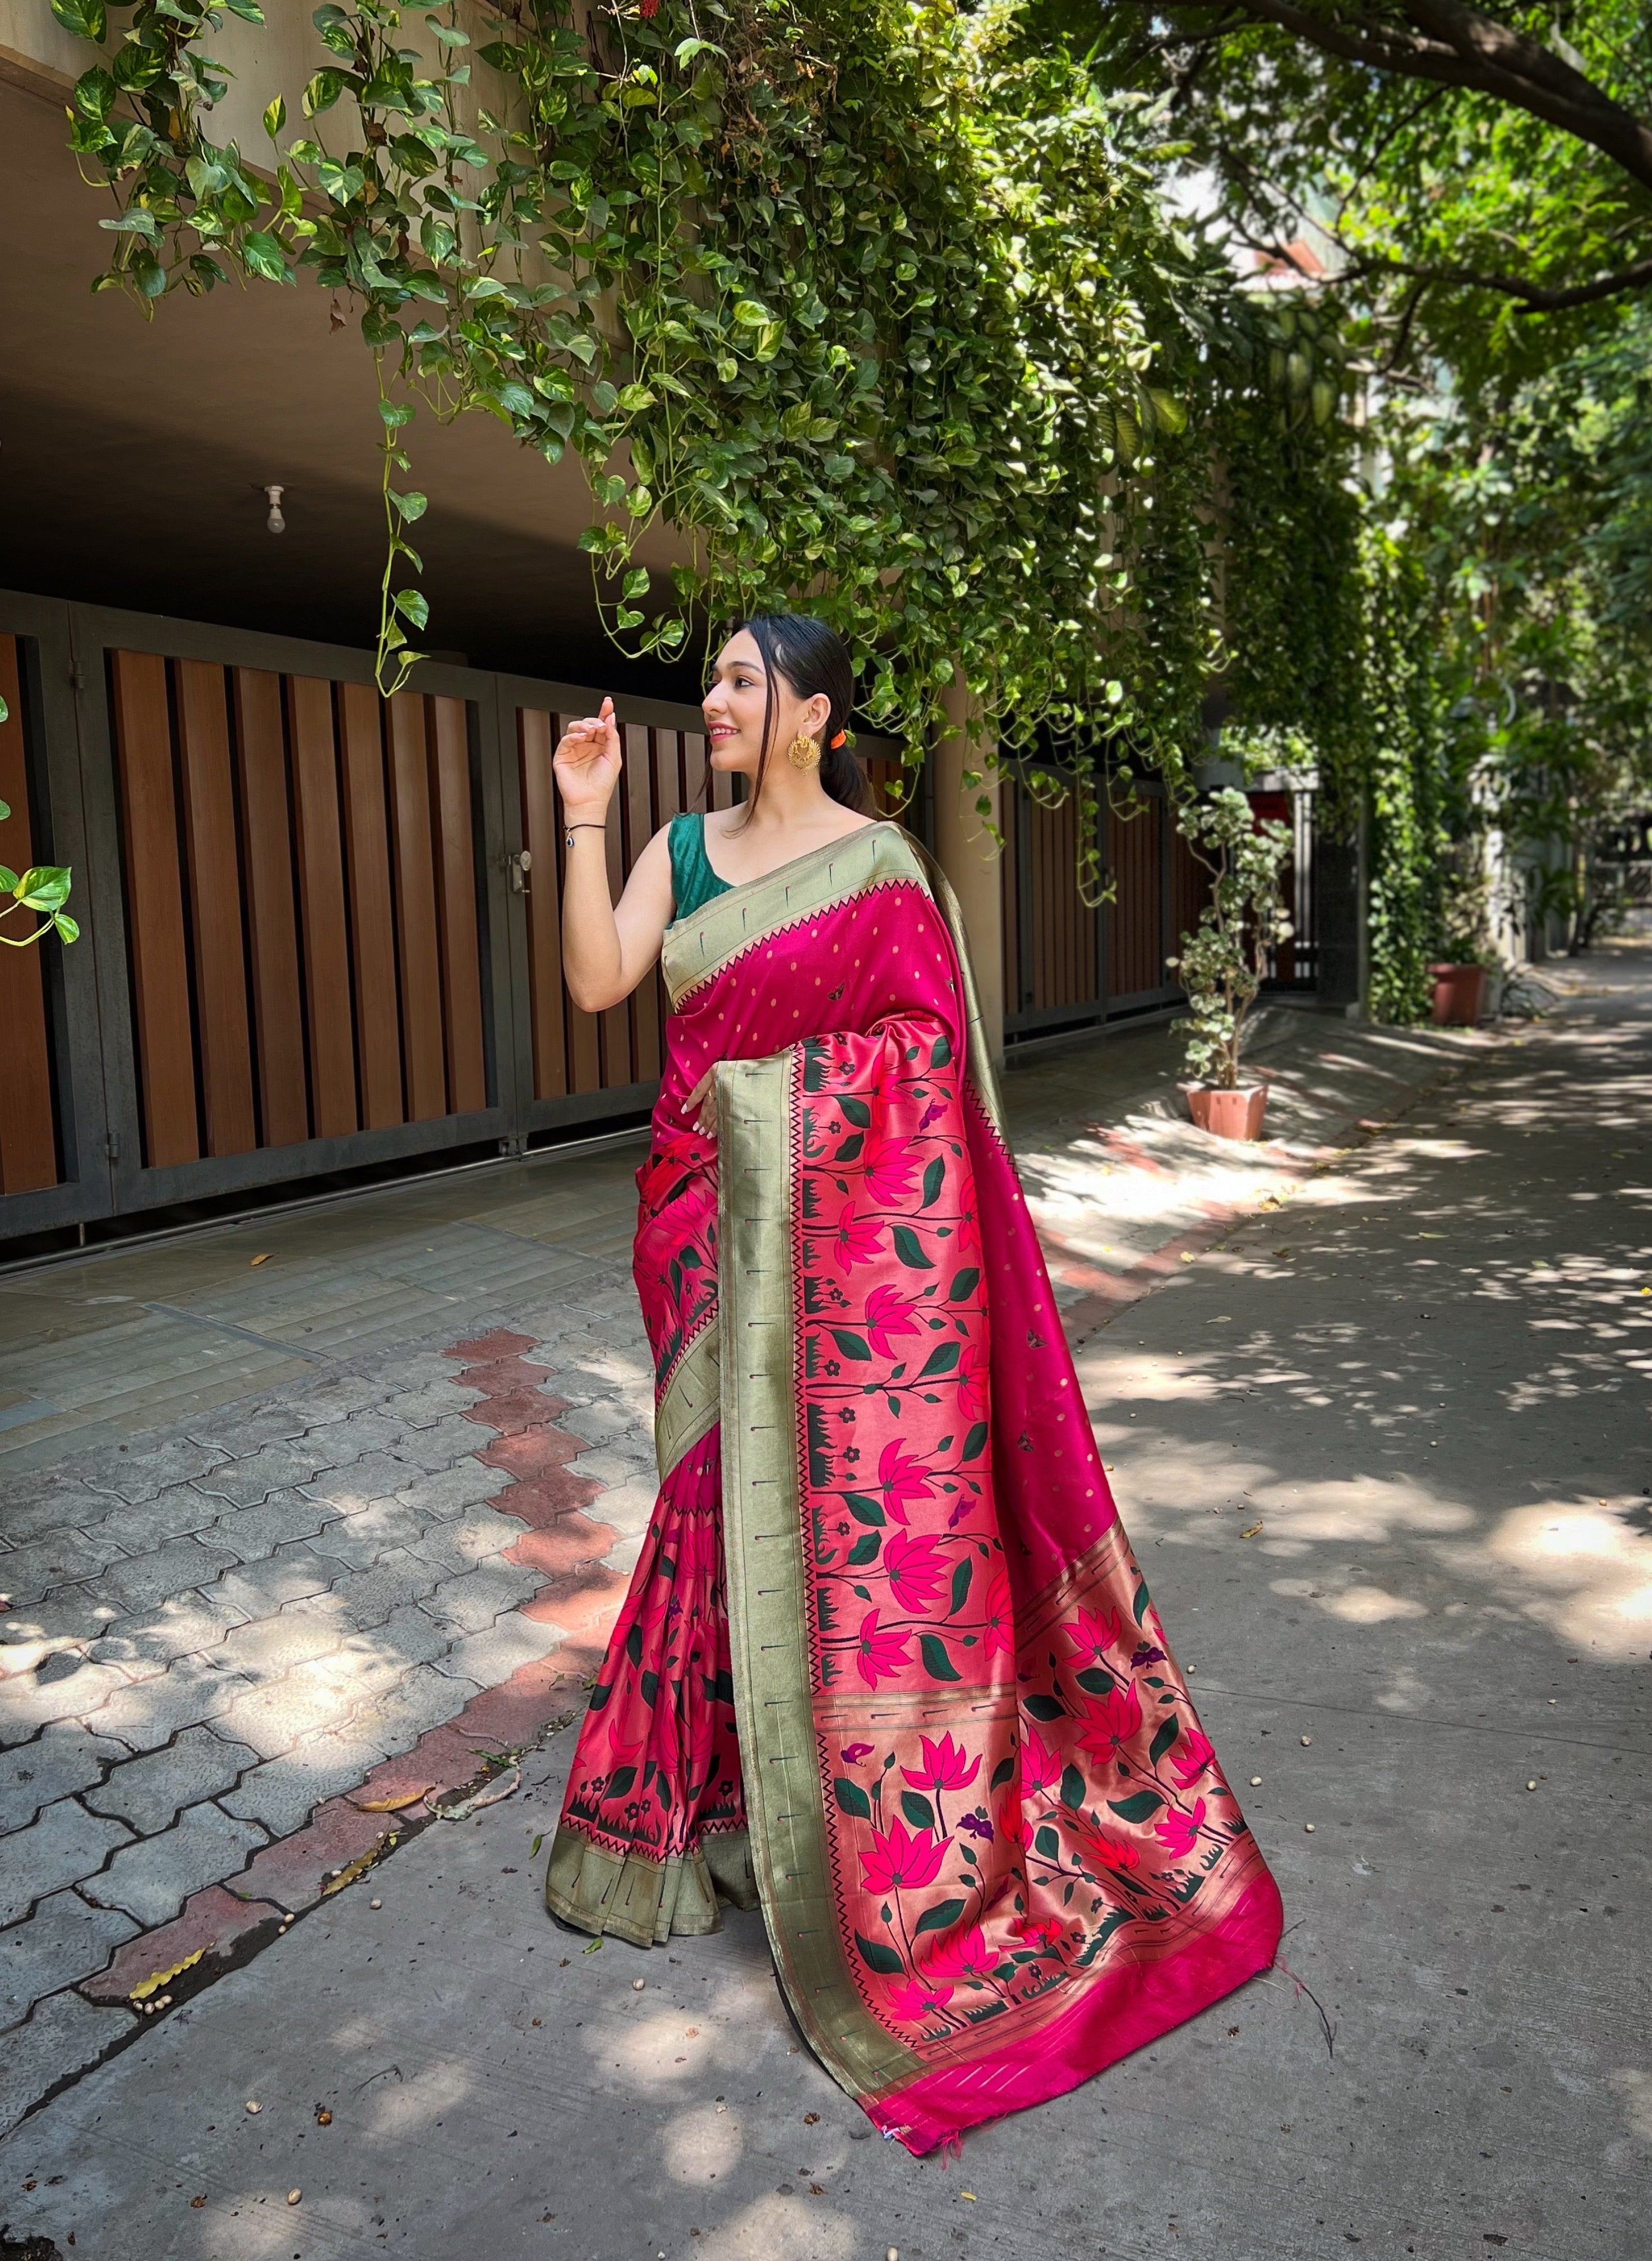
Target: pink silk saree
(887, 1667)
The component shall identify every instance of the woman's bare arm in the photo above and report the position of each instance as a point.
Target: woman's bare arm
(605, 951)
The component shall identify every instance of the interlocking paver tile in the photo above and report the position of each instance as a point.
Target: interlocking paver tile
(362, 1541)
(283, 1792)
(139, 1471)
(351, 1489)
(189, 1693)
(492, 1656)
(56, 1764)
(248, 1482)
(272, 1646)
(48, 1500)
(289, 1575)
(69, 1614)
(609, 1464)
(471, 1603)
(152, 1880)
(449, 1492)
(238, 1431)
(367, 1600)
(185, 1624)
(151, 1578)
(253, 1532)
(274, 1718)
(64, 1940)
(64, 2035)
(151, 1791)
(30, 1572)
(628, 1508)
(478, 1535)
(424, 1698)
(439, 1447)
(406, 1636)
(174, 1513)
(352, 1438)
(63, 1847)
(330, 1397)
(32, 1701)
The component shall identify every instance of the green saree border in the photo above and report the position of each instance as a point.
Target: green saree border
(768, 1583)
(692, 1402)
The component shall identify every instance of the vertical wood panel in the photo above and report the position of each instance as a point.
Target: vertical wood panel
(694, 769)
(1008, 874)
(544, 932)
(326, 954)
(645, 1013)
(155, 910)
(215, 901)
(271, 919)
(372, 918)
(615, 1023)
(414, 867)
(28, 1143)
(584, 1053)
(449, 735)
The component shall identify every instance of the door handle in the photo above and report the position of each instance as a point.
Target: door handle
(520, 864)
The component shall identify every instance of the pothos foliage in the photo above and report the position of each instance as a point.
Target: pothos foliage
(875, 305)
(1222, 964)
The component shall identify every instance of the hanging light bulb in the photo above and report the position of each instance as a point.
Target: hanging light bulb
(276, 522)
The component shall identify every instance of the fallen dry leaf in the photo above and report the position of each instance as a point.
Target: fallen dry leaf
(264, 1259)
(199, 2201)
(970, 2196)
(1252, 1532)
(358, 1867)
(395, 1803)
(811, 2119)
(159, 1978)
(323, 2117)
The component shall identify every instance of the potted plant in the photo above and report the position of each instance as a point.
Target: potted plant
(1221, 964)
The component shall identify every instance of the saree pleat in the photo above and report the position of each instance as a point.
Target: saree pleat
(887, 1667)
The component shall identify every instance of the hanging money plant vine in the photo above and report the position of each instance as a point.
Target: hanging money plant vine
(875, 306)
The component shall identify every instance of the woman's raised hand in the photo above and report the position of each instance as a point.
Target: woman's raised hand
(587, 763)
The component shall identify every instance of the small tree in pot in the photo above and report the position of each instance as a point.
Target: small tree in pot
(1221, 964)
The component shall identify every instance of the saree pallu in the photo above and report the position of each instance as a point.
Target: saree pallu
(887, 1667)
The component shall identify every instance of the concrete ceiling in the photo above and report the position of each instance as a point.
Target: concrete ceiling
(134, 455)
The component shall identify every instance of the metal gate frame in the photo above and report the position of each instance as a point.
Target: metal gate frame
(69, 732)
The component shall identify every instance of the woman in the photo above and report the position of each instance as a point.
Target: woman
(886, 1668)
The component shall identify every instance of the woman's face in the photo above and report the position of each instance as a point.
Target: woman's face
(733, 709)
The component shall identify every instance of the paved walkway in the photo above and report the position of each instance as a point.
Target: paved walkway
(308, 1556)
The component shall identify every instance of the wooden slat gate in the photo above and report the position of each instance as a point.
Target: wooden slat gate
(320, 930)
(1067, 967)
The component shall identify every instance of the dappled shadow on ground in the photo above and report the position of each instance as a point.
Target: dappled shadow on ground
(1436, 1351)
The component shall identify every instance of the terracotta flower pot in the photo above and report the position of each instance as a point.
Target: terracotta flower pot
(1458, 991)
(1228, 1114)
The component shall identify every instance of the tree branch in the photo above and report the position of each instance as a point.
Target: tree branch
(1457, 46)
(1533, 296)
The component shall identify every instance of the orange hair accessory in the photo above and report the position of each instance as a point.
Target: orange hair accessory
(839, 740)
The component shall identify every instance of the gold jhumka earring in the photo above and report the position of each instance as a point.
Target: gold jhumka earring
(803, 753)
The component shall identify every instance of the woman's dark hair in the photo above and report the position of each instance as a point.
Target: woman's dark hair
(814, 661)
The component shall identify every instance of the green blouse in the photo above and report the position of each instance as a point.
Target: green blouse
(693, 882)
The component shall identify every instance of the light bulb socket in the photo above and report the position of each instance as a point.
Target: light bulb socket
(276, 521)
